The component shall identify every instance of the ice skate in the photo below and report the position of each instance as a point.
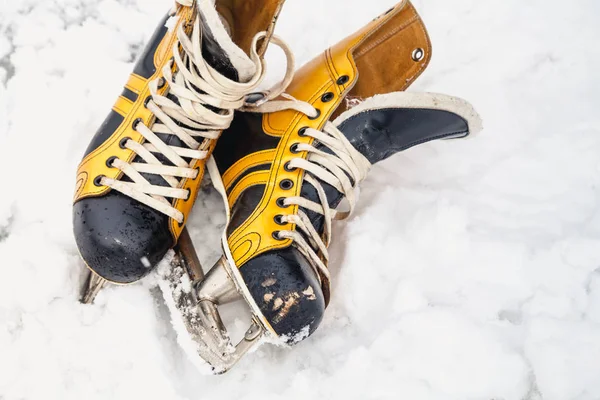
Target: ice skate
(286, 168)
(140, 175)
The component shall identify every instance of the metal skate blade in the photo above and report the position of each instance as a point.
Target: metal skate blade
(93, 284)
(193, 300)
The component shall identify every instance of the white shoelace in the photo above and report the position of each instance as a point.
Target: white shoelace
(343, 169)
(196, 85)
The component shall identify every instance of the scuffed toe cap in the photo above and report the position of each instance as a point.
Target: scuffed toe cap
(119, 238)
(287, 292)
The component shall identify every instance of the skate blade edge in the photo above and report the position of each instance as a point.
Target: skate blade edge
(192, 303)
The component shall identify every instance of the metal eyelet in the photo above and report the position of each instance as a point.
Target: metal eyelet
(294, 148)
(189, 196)
(302, 131)
(279, 220)
(280, 202)
(418, 54)
(286, 184)
(161, 83)
(136, 122)
(327, 97)
(147, 101)
(342, 80)
(275, 235)
(181, 224)
(123, 142)
(288, 168)
(316, 116)
(110, 161)
(98, 179)
(255, 98)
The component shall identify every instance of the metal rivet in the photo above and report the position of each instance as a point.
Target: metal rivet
(253, 333)
(418, 54)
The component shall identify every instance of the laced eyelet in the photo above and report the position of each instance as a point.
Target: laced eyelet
(110, 161)
(302, 131)
(136, 122)
(276, 236)
(123, 142)
(294, 148)
(279, 220)
(286, 184)
(288, 168)
(189, 196)
(342, 80)
(180, 224)
(161, 83)
(280, 202)
(316, 116)
(327, 97)
(198, 172)
(147, 101)
(98, 180)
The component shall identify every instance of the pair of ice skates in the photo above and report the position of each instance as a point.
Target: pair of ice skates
(284, 160)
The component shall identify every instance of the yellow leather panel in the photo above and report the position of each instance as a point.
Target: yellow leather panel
(252, 160)
(136, 83)
(316, 78)
(253, 179)
(123, 106)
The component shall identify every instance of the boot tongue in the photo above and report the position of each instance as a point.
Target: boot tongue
(219, 50)
(386, 124)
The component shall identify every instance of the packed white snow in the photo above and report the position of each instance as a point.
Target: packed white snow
(470, 270)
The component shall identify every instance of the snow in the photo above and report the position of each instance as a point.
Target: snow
(470, 269)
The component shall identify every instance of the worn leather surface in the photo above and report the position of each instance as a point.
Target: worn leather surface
(120, 238)
(287, 292)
